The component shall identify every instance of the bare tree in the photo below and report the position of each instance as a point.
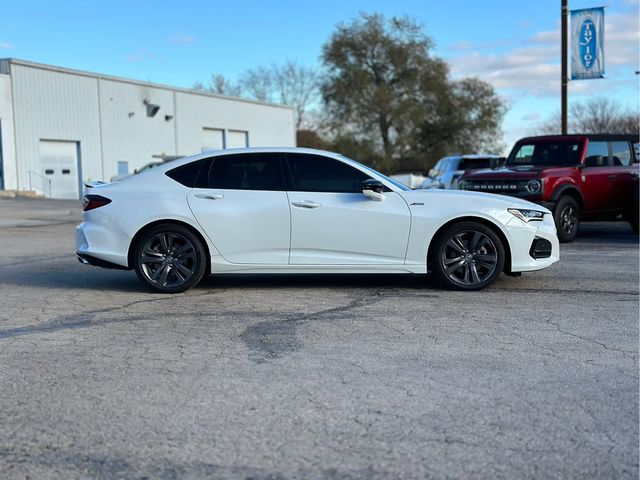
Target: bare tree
(289, 84)
(596, 115)
(297, 86)
(221, 85)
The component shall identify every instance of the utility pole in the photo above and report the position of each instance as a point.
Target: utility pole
(564, 74)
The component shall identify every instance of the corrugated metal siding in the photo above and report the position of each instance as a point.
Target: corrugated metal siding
(8, 145)
(267, 126)
(54, 106)
(128, 134)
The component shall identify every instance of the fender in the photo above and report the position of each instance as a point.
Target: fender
(564, 189)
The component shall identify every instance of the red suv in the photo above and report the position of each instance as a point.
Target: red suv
(577, 177)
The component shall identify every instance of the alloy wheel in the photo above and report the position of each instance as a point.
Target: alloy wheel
(168, 259)
(469, 258)
(568, 219)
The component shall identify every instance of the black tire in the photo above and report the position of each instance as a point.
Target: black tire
(567, 219)
(476, 251)
(170, 258)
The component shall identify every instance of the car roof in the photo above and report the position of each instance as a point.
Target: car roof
(581, 136)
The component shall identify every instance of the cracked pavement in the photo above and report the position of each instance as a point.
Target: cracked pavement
(313, 377)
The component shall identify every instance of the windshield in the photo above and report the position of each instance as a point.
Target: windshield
(546, 153)
(398, 184)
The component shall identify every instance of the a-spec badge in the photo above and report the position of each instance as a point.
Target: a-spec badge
(417, 204)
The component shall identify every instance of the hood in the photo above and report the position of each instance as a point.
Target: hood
(468, 200)
(516, 171)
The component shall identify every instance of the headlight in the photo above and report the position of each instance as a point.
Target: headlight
(526, 215)
(534, 186)
(462, 185)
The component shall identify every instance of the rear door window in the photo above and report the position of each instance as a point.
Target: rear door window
(620, 154)
(255, 171)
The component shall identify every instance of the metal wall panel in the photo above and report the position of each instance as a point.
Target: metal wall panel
(128, 134)
(50, 105)
(268, 126)
(9, 166)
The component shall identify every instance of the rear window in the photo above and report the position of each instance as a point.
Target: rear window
(546, 153)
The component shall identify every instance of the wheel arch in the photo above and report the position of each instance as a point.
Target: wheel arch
(141, 231)
(487, 223)
(571, 190)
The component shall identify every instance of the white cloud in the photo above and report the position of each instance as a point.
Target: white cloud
(7, 45)
(181, 39)
(531, 117)
(535, 68)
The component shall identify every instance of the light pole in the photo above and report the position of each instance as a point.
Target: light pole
(564, 75)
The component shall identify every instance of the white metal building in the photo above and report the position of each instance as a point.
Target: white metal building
(60, 127)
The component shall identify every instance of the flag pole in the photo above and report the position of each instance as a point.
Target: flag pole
(564, 75)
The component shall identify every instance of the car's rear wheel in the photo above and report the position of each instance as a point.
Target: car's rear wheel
(170, 258)
(467, 256)
(567, 218)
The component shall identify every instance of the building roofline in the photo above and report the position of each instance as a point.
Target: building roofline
(100, 76)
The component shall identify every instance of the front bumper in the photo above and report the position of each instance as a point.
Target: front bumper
(523, 236)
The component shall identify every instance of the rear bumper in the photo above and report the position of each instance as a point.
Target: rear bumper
(101, 241)
(86, 259)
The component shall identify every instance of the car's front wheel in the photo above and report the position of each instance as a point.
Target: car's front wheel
(170, 258)
(467, 256)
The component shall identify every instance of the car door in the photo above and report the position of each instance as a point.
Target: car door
(333, 223)
(625, 174)
(241, 204)
(597, 178)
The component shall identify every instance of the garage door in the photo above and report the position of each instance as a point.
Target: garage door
(237, 139)
(212, 139)
(59, 163)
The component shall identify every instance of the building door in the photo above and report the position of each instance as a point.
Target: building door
(237, 139)
(59, 163)
(212, 139)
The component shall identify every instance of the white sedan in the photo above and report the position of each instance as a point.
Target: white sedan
(295, 210)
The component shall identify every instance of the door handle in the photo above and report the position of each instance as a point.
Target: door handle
(209, 196)
(305, 204)
(612, 177)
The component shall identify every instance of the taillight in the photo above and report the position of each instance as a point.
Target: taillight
(89, 202)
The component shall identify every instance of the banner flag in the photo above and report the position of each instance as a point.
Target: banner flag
(587, 43)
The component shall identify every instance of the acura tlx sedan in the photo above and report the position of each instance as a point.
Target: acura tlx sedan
(295, 210)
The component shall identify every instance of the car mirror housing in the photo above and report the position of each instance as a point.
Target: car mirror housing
(373, 189)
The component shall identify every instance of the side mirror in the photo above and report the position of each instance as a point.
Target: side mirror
(373, 189)
(594, 161)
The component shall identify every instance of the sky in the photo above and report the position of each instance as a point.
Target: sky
(513, 45)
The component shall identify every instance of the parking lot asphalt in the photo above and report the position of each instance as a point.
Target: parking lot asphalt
(340, 377)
